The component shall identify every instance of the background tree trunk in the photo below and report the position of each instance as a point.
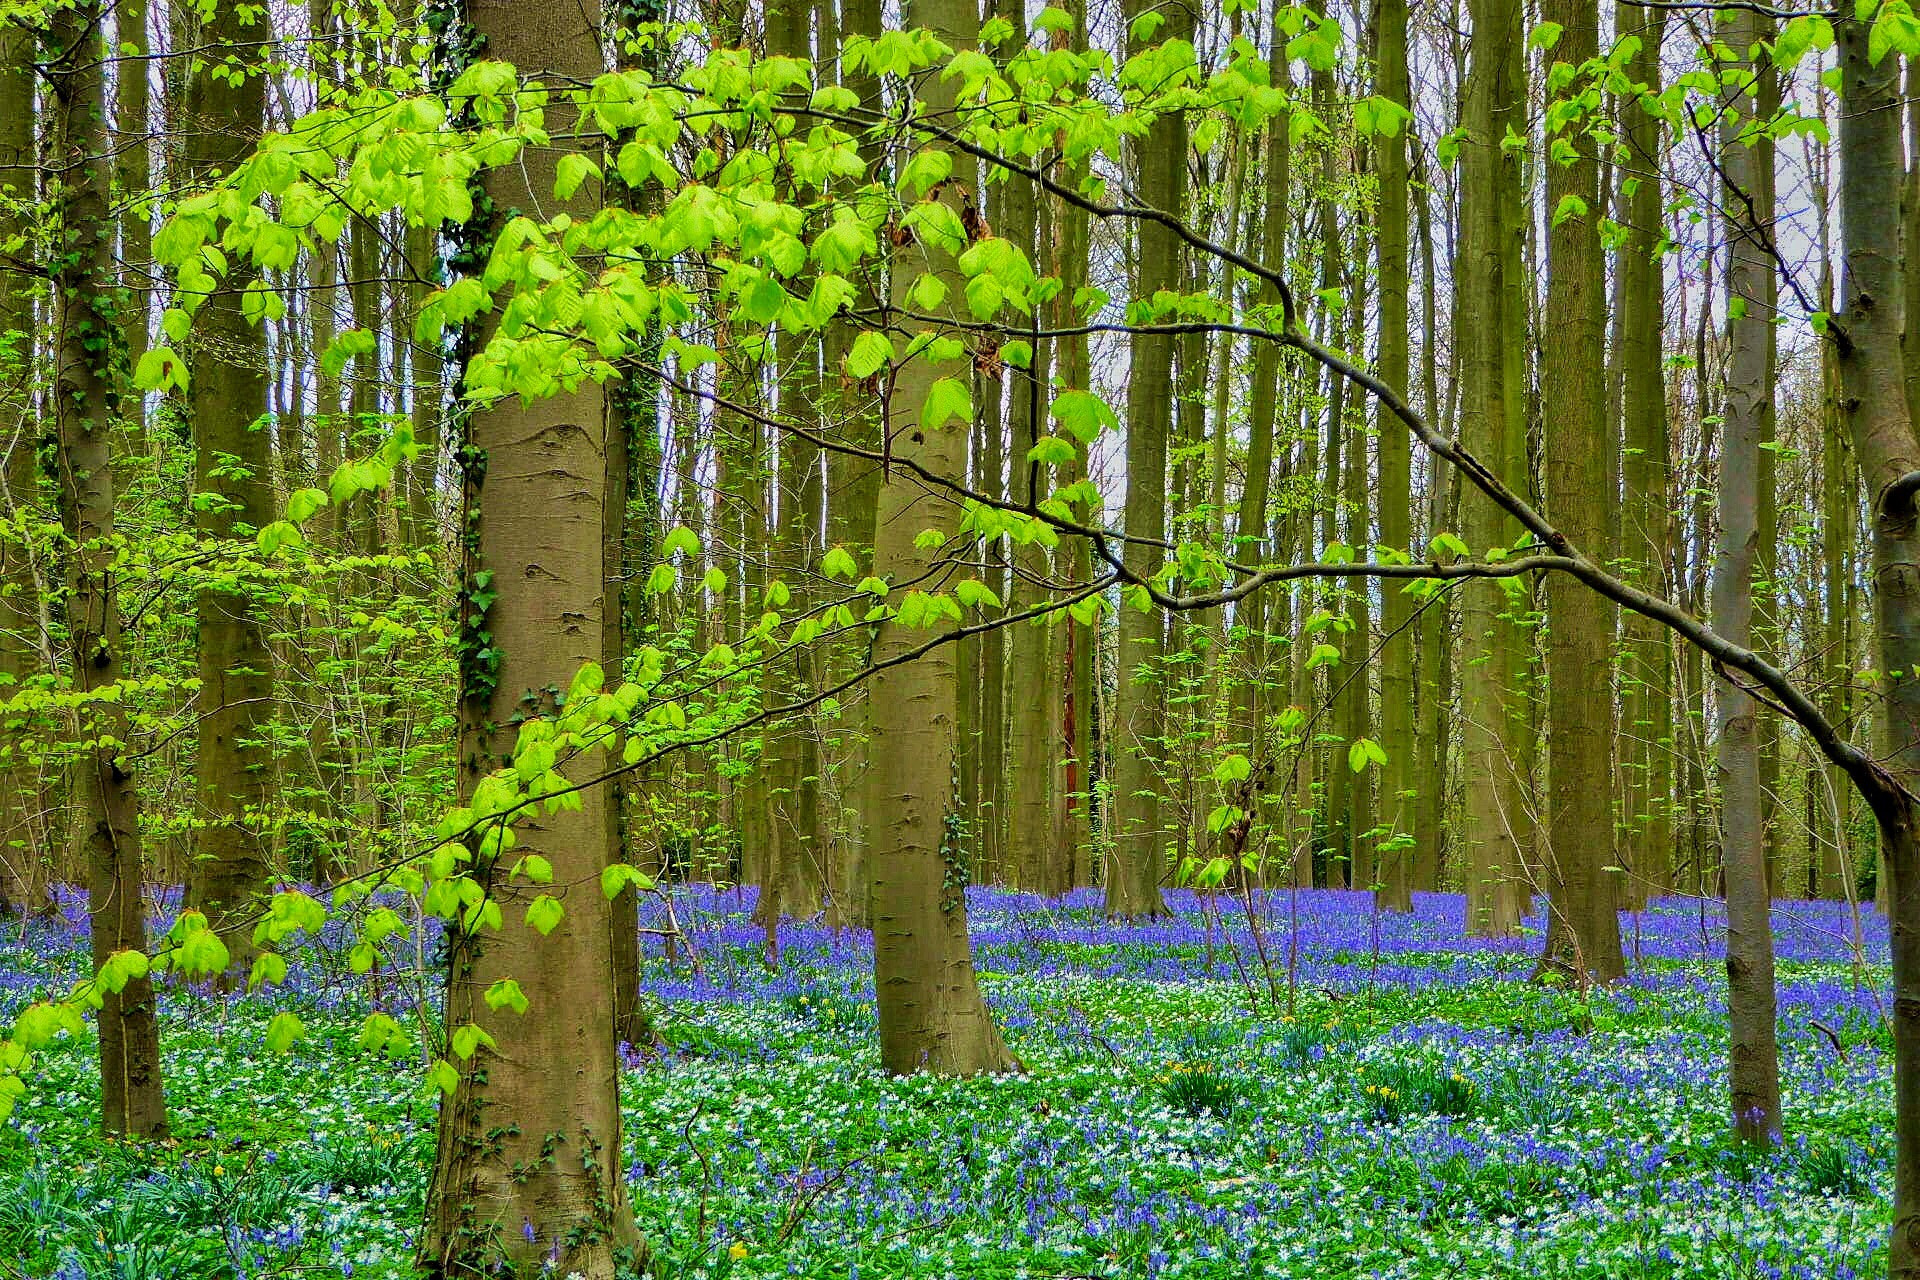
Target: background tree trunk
(1583, 923)
(1399, 782)
(1490, 821)
(223, 116)
(1138, 829)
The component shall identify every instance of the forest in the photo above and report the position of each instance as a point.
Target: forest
(979, 638)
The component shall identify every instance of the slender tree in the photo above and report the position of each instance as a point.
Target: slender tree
(1755, 1055)
(1399, 785)
(1495, 785)
(1138, 829)
(1647, 670)
(20, 856)
(132, 1102)
(223, 111)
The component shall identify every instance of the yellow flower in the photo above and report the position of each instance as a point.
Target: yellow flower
(219, 1170)
(737, 1251)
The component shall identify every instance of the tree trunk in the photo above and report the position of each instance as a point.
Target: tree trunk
(529, 1158)
(1072, 370)
(1256, 620)
(1755, 1057)
(132, 1102)
(133, 180)
(853, 486)
(1490, 705)
(932, 1017)
(223, 117)
(1037, 854)
(1583, 923)
(1882, 429)
(1434, 702)
(21, 858)
(1647, 668)
(1399, 786)
(1138, 830)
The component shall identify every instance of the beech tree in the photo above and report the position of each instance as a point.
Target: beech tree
(867, 286)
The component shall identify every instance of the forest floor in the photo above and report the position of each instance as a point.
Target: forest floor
(1383, 1099)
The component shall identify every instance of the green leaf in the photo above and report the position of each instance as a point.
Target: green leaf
(282, 1030)
(925, 171)
(1223, 817)
(269, 969)
(870, 353)
(973, 594)
(544, 913)
(947, 399)
(160, 370)
(927, 292)
(444, 1076)
(1545, 35)
(303, 503)
(1363, 752)
(617, 877)
(121, 968)
(1234, 768)
(465, 1040)
(1146, 26)
(1052, 451)
(572, 170)
(837, 563)
(535, 868)
(1083, 414)
(381, 1034)
(505, 993)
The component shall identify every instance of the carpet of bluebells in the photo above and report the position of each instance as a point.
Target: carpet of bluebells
(1332, 1094)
